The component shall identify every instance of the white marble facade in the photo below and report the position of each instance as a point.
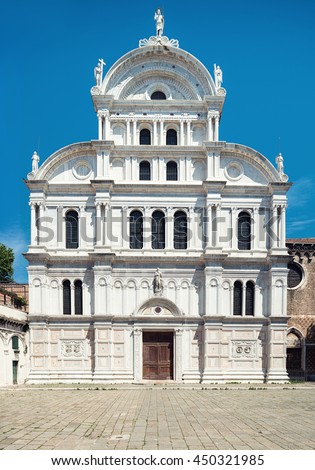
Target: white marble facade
(223, 303)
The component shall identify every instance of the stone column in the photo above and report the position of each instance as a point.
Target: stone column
(162, 132)
(106, 166)
(210, 128)
(106, 225)
(128, 136)
(233, 228)
(182, 135)
(283, 226)
(82, 234)
(33, 224)
(155, 140)
(191, 229)
(257, 302)
(274, 228)
(178, 355)
(60, 234)
(188, 133)
(128, 167)
(216, 128)
(188, 169)
(154, 175)
(256, 228)
(107, 125)
(162, 169)
(134, 168)
(182, 175)
(244, 300)
(134, 132)
(72, 298)
(137, 355)
(98, 225)
(100, 126)
(124, 227)
(169, 228)
(147, 229)
(209, 227)
(215, 225)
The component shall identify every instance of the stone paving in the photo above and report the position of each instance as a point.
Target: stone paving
(135, 417)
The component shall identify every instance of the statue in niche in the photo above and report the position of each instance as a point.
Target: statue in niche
(218, 76)
(98, 72)
(159, 21)
(35, 161)
(158, 284)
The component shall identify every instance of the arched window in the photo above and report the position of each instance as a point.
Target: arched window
(171, 171)
(72, 232)
(136, 230)
(250, 298)
(66, 288)
(15, 343)
(158, 95)
(158, 230)
(78, 301)
(144, 171)
(180, 230)
(171, 137)
(145, 137)
(237, 298)
(244, 231)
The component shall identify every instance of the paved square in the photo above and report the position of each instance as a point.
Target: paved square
(136, 417)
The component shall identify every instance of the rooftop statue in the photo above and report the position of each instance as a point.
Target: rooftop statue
(280, 167)
(218, 76)
(159, 21)
(35, 161)
(98, 72)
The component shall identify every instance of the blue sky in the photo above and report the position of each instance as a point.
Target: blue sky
(49, 49)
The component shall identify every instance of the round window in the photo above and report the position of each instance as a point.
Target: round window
(157, 310)
(234, 171)
(295, 275)
(82, 170)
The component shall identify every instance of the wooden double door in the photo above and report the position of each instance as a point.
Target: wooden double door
(158, 355)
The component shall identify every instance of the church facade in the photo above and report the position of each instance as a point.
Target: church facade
(157, 251)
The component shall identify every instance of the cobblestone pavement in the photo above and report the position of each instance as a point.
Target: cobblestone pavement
(134, 417)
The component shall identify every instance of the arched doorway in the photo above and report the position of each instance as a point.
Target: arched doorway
(294, 355)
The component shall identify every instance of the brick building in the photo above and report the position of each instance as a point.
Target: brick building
(301, 309)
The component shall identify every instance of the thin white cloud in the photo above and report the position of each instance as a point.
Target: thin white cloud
(301, 193)
(301, 223)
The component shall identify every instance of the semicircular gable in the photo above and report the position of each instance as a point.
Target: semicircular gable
(158, 61)
(76, 152)
(253, 166)
(178, 87)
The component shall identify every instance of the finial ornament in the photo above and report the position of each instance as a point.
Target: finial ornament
(98, 72)
(218, 76)
(158, 284)
(280, 168)
(159, 39)
(159, 21)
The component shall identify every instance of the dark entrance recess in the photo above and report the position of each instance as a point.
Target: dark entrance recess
(15, 371)
(158, 355)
